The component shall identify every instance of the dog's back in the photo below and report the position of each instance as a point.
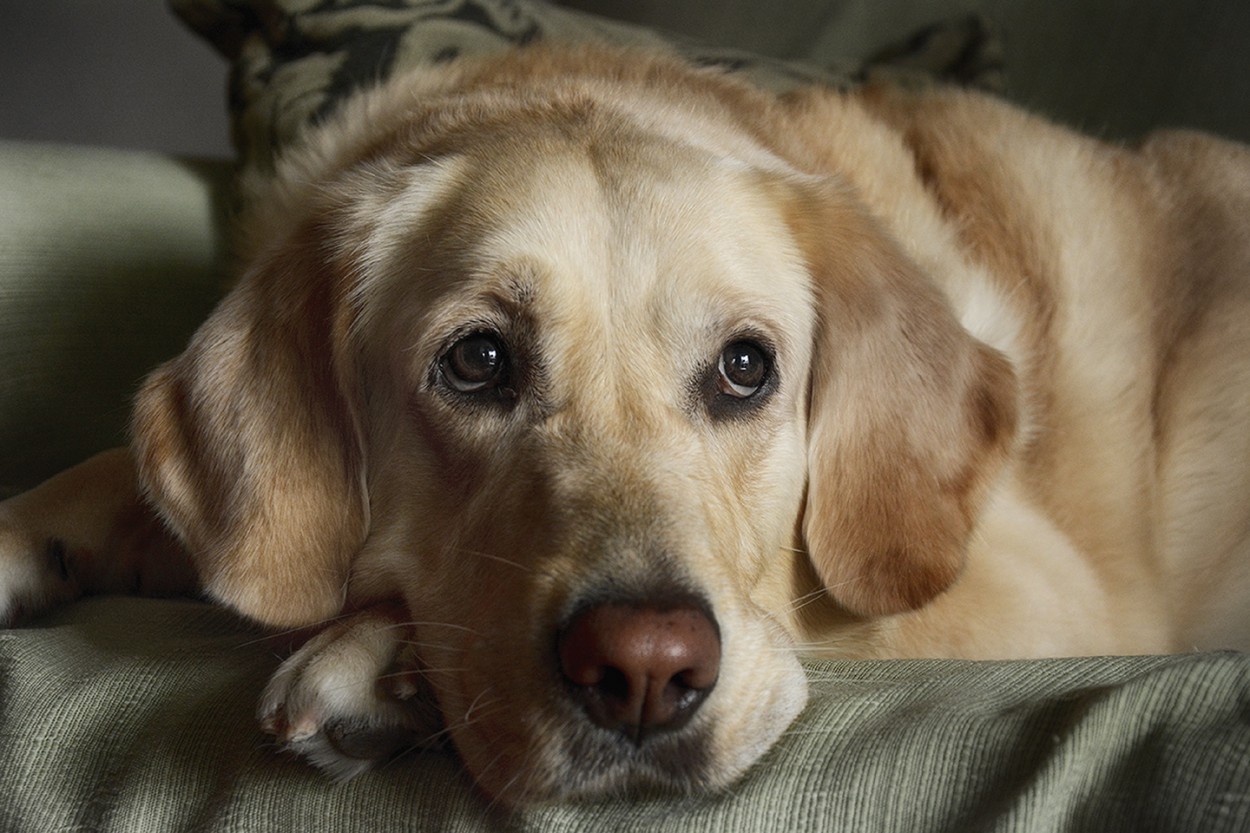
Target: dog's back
(1118, 281)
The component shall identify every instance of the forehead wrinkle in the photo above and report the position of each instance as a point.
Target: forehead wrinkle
(648, 262)
(552, 221)
(632, 243)
(556, 218)
(394, 221)
(722, 255)
(647, 205)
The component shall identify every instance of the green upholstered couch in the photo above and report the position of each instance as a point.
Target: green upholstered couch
(136, 715)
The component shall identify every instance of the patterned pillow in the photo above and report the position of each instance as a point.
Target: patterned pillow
(293, 60)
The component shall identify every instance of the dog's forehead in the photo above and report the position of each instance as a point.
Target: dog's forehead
(636, 228)
(598, 241)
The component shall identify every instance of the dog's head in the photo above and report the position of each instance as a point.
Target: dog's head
(600, 389)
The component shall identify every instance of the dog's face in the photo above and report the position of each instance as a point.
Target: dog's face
(596, 401)
(602, 405)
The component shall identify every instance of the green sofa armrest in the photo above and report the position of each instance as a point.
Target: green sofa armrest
(108, 261)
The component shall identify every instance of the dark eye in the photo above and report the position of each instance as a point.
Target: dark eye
(475, 363)
(743, 369)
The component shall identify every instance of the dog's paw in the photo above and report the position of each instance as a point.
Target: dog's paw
(35, 570)
(352, 696)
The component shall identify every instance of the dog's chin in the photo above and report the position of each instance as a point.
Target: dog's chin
(568, 758)
(584, 762)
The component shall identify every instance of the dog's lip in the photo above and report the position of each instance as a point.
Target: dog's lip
(593, 762)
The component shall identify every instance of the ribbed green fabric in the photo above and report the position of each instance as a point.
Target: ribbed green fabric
(136, 715)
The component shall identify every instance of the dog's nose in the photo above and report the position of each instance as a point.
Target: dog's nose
(640, 669)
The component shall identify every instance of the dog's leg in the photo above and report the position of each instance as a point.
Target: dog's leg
(353, 695)
(85, 531)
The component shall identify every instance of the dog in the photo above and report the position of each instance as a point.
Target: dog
(569, 398)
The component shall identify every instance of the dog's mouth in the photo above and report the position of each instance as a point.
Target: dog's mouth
(614, 762)
(602, 669)
(620, 706)
(568, 756)
(625, 695)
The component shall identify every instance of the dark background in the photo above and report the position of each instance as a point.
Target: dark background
(126, 73)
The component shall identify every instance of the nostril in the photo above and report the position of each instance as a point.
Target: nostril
(640, 667)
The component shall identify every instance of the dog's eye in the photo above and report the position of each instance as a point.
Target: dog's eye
(743, 369)
(475, 363)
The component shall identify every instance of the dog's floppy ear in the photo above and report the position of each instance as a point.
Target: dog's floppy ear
(249, 446)
(910, 417)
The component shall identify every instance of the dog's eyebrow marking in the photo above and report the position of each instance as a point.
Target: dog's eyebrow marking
(404, 204)
(513, 295)
(520, 286)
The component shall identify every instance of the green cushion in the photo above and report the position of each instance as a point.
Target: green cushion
(137, 715)
(108, 261)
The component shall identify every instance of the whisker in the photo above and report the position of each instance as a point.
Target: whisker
(437, 646)
(449, 669)
(806, 599)
(433, 624)
(524, 769)
(492, 557)
(812, 647)
(315, 626)
(472, 706)
(492, 708)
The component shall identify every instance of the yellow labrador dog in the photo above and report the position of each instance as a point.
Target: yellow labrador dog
(577, 394)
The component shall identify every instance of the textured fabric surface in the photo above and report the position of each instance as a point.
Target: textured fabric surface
(292, 61)
(136, 715)
(108, 261)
